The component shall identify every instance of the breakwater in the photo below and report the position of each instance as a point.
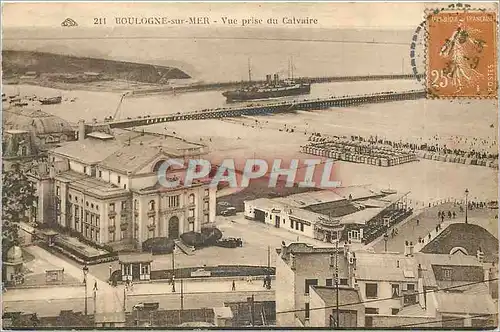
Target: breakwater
(233, 85)
(338, 148)
(270, 108)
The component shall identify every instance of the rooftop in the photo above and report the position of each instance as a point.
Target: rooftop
(471, 237)
(462, 303)
(385, 267)
(303, 200)
(131, 158)
(298, 248)
(329, 295)
(35, 120)
(89, 150)
(135, 258)
(90, 185)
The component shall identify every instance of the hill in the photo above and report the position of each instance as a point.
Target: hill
(17, 63)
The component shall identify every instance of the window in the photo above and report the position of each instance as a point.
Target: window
(301, 227)
(112, 207)
(87, 204)
(353, 235)
(371, 291)
(307, 310)
(151, 220)
(206, 218)
(58, 191)
(191, 212)
(97, 221)
(100, 174)
(206, 192)
(310, 282)
(395, 311)
(85, 169)
(329, 282)
(124, 186)
(87, 217)
(124, 205)
(92, 219)
(145, 269)
(112, 221)
(205, 205)
(191, 199)
(371, 311)
(136, 204)
(368, 321)
(343, 281)
(97, 238)
(69, 196)
(291, 223)
(297, 226)
(395, 290)
(122, 235)
(410, 287)
(191, 225)
(173, 201)
(119, 179)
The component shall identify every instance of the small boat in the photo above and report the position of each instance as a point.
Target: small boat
(51, 101)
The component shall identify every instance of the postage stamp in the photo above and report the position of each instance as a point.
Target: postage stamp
(461, 54)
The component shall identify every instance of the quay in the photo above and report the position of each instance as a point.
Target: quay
(270, 108)
(234, 84)
(357, 152)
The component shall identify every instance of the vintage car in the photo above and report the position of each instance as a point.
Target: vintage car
(229, 242)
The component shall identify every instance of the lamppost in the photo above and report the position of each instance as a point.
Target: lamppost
(173, 270)
(466, 204)
(386, 237)
(85, 270)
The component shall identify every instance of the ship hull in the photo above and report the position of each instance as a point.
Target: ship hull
(234, 96)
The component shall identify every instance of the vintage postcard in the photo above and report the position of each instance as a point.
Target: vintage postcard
(232, 165)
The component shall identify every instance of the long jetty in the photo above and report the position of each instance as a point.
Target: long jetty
(270, 108)
(236, 84)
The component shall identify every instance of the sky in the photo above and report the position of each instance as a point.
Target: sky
(329, 15)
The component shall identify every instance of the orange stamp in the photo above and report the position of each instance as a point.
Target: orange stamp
(461, 54)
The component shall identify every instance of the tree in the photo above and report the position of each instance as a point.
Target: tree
(18, 195)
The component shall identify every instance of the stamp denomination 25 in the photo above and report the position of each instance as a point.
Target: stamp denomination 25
(461, 54)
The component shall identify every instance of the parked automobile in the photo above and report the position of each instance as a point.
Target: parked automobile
(230, 211)
(229, 242)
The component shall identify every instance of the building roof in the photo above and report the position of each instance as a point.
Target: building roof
(465, 303)
(306, 199)
(100, 135)
(356, 192)
(298, 248)
(385, 267)
(89, 150)
(131, 157)
(135, 258)
(329, 295)
(446, 259)
(90, 185)
(360, 217)
(471, 237)
(35, 120)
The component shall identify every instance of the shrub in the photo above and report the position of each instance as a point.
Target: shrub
(158, 245)
(192, 239)
(210, 236)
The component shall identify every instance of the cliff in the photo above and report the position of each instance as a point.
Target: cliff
(17, 63)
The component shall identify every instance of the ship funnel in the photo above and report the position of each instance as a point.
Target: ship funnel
(276, 79)
(268, 79)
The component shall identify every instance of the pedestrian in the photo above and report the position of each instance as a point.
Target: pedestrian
(442, 217)
(418, 222)
(429, 236)
(437, 228)
(454, 215)
(110, 271)
(95, 285)
(233, 287)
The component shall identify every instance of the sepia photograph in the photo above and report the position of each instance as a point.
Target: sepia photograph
(249, 165)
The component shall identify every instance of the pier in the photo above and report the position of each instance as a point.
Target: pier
(237, 84)
(268, 108)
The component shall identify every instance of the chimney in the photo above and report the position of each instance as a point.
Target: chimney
(480, 255)
(276, 79)
(407, 249)
(346, 248)
(283, 248)
(332, 259)
(268, 79)
(411, 248)
(292, 261)
(397, 263)
(81, 130)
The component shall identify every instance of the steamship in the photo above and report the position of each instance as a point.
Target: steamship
(51, 100)
(273, 88)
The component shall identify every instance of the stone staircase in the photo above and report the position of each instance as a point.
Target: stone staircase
(188, 250)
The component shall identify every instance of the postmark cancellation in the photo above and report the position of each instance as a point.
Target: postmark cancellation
(461, 54)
